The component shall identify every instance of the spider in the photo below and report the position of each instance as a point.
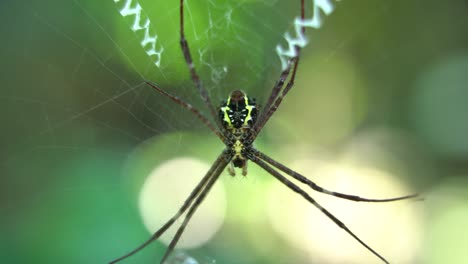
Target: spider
(238, 121)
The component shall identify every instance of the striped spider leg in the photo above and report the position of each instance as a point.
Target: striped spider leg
(195, 198)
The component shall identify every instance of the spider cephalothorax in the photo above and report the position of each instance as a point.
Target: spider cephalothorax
(238, 114)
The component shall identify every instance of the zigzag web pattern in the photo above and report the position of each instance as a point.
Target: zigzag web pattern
(149, 39)
(300, 40)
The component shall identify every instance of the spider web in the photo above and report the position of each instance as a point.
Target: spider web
(73, 88)
(98, 54)
(83, 93)
(214, 32)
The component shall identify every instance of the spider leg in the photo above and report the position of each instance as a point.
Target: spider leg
(274, 93)
(244, 169)
(306, 196)
(196, 192)
(278, 101)
(193, 73)
(231, 170)
(222, 164)
(317, 188)
(189, 107)
(274, 100)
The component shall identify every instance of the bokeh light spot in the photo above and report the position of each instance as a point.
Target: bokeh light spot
(331, 102)
(381, 225)
(165, 190)
(447, 234)
(440, 106)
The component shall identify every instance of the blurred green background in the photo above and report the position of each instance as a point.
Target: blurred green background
(91, 158)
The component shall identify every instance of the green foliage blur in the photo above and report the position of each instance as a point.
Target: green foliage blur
(379, 74)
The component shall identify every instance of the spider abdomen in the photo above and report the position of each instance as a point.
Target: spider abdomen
(238, 112)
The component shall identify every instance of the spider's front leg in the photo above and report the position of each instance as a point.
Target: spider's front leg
(238, 162)
(244, 169)
(231, 170)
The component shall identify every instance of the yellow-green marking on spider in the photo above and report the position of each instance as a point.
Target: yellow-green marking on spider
(237, 114)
